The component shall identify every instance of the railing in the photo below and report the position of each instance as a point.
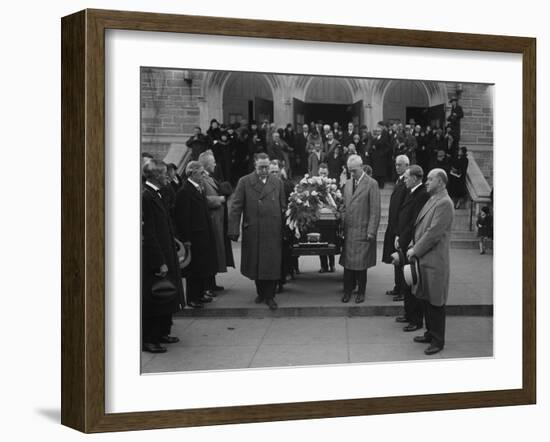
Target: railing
(478, 188)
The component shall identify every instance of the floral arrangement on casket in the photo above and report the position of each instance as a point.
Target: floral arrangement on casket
(310, 196)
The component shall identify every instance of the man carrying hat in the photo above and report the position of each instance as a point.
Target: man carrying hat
(414, 200)
(432, 237)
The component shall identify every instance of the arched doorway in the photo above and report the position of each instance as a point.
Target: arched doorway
(327, 99)
(405, 100)
(247, 96)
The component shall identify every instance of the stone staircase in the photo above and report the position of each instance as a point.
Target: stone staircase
(462, 237)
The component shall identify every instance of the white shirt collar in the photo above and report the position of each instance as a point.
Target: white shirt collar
(194, 184)
(416, 187)
(152, 186)
(360, 178)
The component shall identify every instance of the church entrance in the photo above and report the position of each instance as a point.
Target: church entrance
(247, 96)
(407, 102)
(327, 99)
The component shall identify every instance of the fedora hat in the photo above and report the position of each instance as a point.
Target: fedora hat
(184, 255)
(398, 258)
(411, 272)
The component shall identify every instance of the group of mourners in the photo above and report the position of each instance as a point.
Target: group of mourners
(188, 225)
(302, 151)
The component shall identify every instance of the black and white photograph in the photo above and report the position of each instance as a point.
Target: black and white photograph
(298, 220)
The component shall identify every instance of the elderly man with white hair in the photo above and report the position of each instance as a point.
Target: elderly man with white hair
(360, 218)
(431, 246)
(396, 201)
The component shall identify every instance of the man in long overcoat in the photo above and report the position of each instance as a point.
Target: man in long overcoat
(194, 230)
(360, 217)
(216, 196)
(260, 199)
(159, 260)
(414, 201)
(396, 200)
(432, 237)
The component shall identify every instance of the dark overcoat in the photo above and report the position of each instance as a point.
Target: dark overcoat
(381, 151)
(193, 225)
(261, 207)
(396, 200)
(360, 217)
(408, 213)
(432, 239)
(157, 248)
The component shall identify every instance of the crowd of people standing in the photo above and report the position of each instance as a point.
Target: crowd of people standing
(190, 217)
(302, 150)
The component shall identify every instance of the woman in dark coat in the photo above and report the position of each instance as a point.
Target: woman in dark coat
(381, 150)
(213, 132)
(335, 162)
(457, 177)
(158, 256)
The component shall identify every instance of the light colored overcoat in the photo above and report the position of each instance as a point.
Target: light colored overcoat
(360, 217)
(262, 207)
(432, 238)
(216, 211)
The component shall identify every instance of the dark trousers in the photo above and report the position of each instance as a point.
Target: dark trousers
(196, 287)
(156, 326)
(435, 323)
(414, 310)
(354, 278)
(326, 261)
(399, 279)
(265, 288)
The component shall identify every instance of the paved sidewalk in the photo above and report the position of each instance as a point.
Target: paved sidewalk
(237, 343)
(315, 294)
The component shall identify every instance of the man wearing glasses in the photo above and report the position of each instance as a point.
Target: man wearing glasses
(260, 199)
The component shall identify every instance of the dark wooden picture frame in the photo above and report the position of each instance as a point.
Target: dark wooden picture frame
(83, 220)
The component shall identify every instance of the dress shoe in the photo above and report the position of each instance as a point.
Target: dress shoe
(401, 319)
(432, 350)
(398, 298)
(271, 304)
(210, 294)
(205, 299)
(422, 339)
(323, 271)
(153, 348)
(169, 339)
(391, 293)
(359, 298)
(259, 300)
(218, 288)
(411, 327)
(346, 297)
(195, 304)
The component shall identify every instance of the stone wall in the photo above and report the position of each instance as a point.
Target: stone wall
(169, 108)
(477, 102)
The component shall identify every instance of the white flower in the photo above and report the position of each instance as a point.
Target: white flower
(309, 181)
(306, 204)
(299, 201)
(306, 193)
(287, 212)
(333, 186)
(314, 193)
(306, 175)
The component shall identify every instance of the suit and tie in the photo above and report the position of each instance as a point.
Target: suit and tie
(412, 204)
(360, 219)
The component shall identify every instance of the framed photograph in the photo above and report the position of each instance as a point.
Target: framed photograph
(267, 221)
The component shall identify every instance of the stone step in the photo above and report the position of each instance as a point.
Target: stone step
(326, 311)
